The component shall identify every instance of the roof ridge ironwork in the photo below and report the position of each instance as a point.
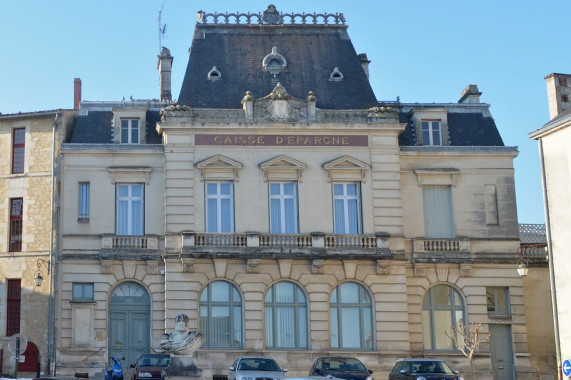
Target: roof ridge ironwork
(270, 16)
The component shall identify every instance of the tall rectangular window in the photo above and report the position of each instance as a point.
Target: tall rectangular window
(18, 150)
(13, 299)
(129, 131)
(438, 212)
(431, 134)
(219, 207)
(130, 209)
(347, 208)
(16, 212)
(283, 208)
(83, 207)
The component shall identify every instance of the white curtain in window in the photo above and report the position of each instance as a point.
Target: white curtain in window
(347, 209)
(130, 209)
(219, 207)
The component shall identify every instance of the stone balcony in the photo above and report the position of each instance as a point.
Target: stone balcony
(443, 250)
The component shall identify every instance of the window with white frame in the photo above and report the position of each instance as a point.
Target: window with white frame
(221, 315)
(498, 300)
(442, 307)
(283, 208)
(431, 133)
(285, 308)
(82, 292)
(129, 131)
(438, 212)
(351, 317)
(347, 208)
(220, 207)
(84, 199)
(130, 209)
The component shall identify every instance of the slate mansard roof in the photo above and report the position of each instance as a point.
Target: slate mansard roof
(311, 53)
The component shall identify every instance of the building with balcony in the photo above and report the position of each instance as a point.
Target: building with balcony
(288, 212)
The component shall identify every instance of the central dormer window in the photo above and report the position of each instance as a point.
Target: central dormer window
(431, 133)
(129, 131)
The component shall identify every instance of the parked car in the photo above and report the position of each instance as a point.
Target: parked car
(342, 367)
(252, 367)
(150, 366)
(422, 369)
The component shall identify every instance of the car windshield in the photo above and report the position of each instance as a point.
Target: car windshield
(430, 367)
(344, 364)
(258, 364)
(154, 361)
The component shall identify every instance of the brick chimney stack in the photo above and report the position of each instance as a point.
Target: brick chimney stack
(165, 68)
(76, 93)
(558, 93)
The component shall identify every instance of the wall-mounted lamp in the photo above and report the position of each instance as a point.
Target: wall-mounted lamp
(38, 279)
(522, 267)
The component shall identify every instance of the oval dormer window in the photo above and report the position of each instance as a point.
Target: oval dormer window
(336, 75)
(274, 62)
(214, 74)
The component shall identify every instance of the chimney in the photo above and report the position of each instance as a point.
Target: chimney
(558, 93)
(165, 68)
(470, 94)
(76, 93)
(365, 63)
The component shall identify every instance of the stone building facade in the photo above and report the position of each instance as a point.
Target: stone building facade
(29, 142)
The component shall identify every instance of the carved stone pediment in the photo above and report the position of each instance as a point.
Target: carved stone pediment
(283, 167)
(346, 168)
(279, 105)
(219, 167)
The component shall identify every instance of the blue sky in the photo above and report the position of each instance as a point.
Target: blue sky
(421, 51)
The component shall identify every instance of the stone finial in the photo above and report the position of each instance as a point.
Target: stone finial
(248, 105)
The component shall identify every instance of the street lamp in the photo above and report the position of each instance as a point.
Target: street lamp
(38, 279)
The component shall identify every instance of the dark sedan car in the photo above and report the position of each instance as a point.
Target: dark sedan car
(150, 367)
(422, 369)
(342, 367)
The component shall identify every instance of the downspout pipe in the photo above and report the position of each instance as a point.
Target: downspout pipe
(51, 298)
(550, 259)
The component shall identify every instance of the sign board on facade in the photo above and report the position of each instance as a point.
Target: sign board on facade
(281, 140)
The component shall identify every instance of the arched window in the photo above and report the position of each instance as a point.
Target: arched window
(442, 308)
(221, 315)
(285, 308)
(351, 314)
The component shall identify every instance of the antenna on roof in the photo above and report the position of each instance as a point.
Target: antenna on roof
(162, 28)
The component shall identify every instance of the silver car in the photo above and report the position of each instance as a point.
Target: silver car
(256, 368)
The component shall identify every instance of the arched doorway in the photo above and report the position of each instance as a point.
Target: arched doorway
(129, 314)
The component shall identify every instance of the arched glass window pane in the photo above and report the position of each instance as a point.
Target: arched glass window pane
(443, 308)
(221, 316)
(351, 317)
(286, 317)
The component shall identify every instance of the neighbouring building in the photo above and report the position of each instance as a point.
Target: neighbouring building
(553, 141)
(287, 211)
(29, 142)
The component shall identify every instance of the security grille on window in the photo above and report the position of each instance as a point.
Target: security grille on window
(129, 131)
(82, 292)
(347, 208)
(16, 224)
(219, 207)
(83, 209)
(431, 133)
(130, 209)
(13, 299)
(283, 208)
(18, 150)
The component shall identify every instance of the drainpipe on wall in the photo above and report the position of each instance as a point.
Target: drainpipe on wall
(51, 341)
(550, 259)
